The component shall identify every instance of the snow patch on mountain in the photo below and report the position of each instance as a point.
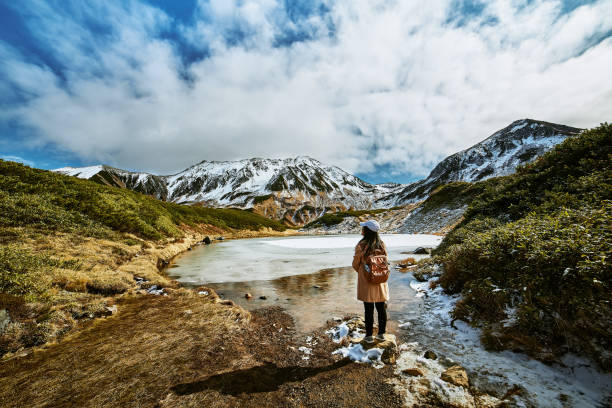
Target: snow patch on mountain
(81, 172)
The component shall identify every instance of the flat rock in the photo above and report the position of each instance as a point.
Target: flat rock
(456, 375)
(388, 345)
(413, 372)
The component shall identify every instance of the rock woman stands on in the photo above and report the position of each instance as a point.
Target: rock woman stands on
(372, 294)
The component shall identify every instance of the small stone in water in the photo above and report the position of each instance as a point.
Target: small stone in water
(263, 297)
(248, 295)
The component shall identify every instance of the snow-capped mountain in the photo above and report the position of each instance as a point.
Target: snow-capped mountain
(301, 189)
(145, 183)
(297, 190)
(519, 143)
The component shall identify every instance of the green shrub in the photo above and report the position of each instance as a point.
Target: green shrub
(22, 273)
(335, 218)
(537, 244)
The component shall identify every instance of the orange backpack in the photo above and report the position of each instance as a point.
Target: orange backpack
(377, 267)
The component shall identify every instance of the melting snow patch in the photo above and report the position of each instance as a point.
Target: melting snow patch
(356, 353)
(154, 291)
(575, 383)
(307, 351)
(338, 333)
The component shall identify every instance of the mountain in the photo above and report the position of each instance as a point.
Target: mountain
(301, 189)
(145, 183)
(296, 190)
(519, 143)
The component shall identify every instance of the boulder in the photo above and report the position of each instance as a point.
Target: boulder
(388, 345)
(263, 297)
(430, 355)
(422, 251)
(413, 372)
(248, 295)
(456, 375)
(206, 240)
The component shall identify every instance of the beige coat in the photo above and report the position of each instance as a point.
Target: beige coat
(366, 291)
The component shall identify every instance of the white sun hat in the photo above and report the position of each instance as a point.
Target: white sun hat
(371, 224)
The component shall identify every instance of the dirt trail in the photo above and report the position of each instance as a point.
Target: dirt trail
(187, 349)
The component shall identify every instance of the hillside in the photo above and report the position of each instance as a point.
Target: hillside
(531, 257)
(68, 245)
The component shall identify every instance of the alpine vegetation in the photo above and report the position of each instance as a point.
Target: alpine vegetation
(531, 257)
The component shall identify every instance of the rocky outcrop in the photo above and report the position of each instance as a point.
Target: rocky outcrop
(520, 142)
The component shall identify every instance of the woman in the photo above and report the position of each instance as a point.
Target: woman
(372, 294)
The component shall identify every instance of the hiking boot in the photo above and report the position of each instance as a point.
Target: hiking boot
(369, 339)
(380, 337)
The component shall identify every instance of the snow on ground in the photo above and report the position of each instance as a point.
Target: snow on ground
(354, 351)
(357, 353)
(577, 384)
(307, 352)
(390, 240)
(339, 332)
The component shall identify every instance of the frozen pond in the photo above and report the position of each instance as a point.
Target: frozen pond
(271, 258)
(310, 277)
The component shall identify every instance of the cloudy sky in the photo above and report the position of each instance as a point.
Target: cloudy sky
(383, 89)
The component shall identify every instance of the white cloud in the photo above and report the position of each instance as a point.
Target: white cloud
(18, 160)
(417, 87)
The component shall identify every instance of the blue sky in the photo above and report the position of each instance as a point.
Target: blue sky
(383, 89)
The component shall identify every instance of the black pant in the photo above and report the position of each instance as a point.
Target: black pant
(381, 310)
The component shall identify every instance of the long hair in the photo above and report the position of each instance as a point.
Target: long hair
(372, 241)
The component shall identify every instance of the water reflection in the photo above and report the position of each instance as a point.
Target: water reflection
(314, 298)
(311, 283)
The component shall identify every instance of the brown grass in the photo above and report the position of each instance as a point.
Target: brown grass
(88, 270)
(131, 358)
